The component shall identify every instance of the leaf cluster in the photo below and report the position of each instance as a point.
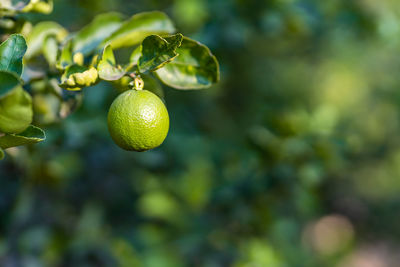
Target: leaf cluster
(41, 60)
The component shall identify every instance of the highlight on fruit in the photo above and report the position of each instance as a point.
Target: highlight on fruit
(138, 119)
(60, 64)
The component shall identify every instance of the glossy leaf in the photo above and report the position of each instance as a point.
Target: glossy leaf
(136, 54)
(77, 77)
(1, 154)
(15, 111)
(50, 49)
(39, 33)
(11, 52)
(102, 26)
(195, 67)
(138, 27)
(158, 51)
(31, 135)
(8, 81)
(107, 68)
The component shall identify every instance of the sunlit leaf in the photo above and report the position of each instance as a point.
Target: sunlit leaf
(1, 154)
(136, 54)
(77, 77)
(95, 61)
(195, 67)
(15, 111)
(31, 135)
(8, 81)
(102, 26)
(158, 51)
(50, 49)
(39, 33)
(139, 26)
(107, 68)
(11, 52)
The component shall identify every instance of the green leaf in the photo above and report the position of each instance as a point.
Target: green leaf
(15, 111)
(138, 27)
(8, 81)
(65, 58)
(39, 33)
(158, 51)
(31, 135)
(1, 154)
(102, 26)
(107, 67)
(50, 49)
(195, 67)
(136, 54)
(77, 77)
(11, 53)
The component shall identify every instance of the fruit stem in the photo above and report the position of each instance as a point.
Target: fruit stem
(139, 84)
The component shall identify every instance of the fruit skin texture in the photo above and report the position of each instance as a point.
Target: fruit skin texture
(138, 120)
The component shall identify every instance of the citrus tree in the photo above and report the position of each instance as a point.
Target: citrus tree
(44, 67)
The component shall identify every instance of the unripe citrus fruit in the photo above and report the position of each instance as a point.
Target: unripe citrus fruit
(138, 120)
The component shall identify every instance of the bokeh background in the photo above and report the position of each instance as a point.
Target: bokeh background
(293, 159)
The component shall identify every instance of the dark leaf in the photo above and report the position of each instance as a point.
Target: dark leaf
(31, 135)
(195, 67)
(8, 81)
(11, 53)
(158, 51)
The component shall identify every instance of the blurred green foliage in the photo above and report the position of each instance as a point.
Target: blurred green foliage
(291, 160)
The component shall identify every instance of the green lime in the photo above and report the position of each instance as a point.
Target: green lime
(138, 120)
